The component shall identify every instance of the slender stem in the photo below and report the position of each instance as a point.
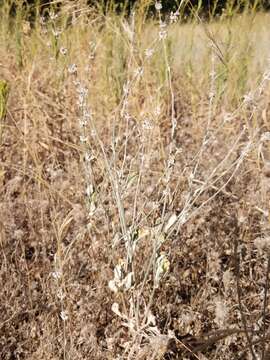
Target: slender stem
(266, 286)
(239, 295)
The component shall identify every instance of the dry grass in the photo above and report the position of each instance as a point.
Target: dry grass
(134, 211)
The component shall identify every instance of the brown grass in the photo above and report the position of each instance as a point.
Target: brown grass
(175, 196)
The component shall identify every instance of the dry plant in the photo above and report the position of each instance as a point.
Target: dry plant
(134, 172)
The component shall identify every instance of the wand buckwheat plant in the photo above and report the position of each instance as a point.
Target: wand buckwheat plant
(125, 165)
(144, 205)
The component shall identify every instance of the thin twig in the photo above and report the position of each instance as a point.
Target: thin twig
(239, 295)
(266, 286)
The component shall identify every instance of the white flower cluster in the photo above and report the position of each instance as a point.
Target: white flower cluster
(158, 5)
(174, 17)
(121, 281)
(162, 268)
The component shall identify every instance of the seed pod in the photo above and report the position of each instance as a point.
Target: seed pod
(4, 91)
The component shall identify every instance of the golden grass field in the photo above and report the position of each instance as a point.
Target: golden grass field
(134, 179)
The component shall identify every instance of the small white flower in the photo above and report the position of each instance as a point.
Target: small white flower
(60, 294)
(162, 34)
(80, 100)
(76, 82)
(163, 266)
(228, 117)
(120, 281)
(88, 157)
(56, 32)
(171, 161)
(265, 136)
(82, 90)
(174, 17)
(158, 5)
(86, 113)
(72, 69)
(155, 205)
(157, 110)
(42, 20)
(138, 72)
(89, 190)
(148, 53)
(127, 116)
(147, 124)
(266, 76)
(211, 95)
(126, 88)
(64, 315)
(83, 122)
(248, 98)
(212, 74)
(63, 51)
(83, 139)
(52, 15)
(115, 309)
(56, 274)
(162, 25)
(112, 286)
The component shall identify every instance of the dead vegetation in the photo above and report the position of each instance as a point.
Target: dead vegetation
(134, 178)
